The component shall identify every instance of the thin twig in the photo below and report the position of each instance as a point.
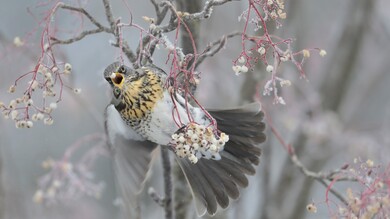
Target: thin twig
(83, 11)
(334, 192)
(207, 10)
(204, 14)
(147, 39)
(156, 7)
(167, 183)
(115, 30)
(218, 44)
(110, 17)
(76, 38)
(161, 15)
(320, 177)
(126, 50)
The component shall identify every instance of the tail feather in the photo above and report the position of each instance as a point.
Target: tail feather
(233, 172)
(231, 181)
(217, 185)
(202, 193)
(212, 182)
(244, 152)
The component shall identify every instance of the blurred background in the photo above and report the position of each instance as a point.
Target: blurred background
(339, 113)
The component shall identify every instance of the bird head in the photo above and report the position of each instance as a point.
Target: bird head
(134, 90)
(121, 77)
(115, 75)
(116, 72)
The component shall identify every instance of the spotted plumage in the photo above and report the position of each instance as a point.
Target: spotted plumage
(139, 95)
(141, 116)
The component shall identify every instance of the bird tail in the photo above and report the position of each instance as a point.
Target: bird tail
(212, 182)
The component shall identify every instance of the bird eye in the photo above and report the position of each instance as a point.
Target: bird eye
(122, 69)
(117, 92)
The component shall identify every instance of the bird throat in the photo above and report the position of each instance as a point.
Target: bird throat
(139, 97)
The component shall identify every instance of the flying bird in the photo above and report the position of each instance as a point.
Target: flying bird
(215, 149)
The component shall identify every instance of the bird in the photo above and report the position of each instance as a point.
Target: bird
(216, 149)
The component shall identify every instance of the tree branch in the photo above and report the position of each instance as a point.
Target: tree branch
(113, 29)
(173, 22)
(76, 38)
(154, 33)
(84, 12)
(167, 183)
(320, 177)
(207, 10)
(156, 7)
(185, 16)
(210, 51)
(126, 50)
(156, 198)
(110, 17)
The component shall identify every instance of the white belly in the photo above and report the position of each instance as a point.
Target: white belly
(165, 120)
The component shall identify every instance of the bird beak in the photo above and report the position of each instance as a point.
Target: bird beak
(115, 78)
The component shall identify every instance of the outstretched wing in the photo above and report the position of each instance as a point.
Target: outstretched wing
(212, 182)
(132, 156)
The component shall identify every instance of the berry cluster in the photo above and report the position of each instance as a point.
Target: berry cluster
(196, 141)
(24, 110)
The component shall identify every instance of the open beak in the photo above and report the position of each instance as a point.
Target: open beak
(115, 78)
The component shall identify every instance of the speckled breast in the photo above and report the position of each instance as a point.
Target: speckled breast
(139, 98)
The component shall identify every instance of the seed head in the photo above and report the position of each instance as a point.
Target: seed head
(12, 89)
(269, 68)
(311, 208)
(322, 53)
(68, 67)
(241, 59)
(261, 50)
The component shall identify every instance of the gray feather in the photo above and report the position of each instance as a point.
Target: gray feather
(110, 69)
(212, 182)
(132, 156)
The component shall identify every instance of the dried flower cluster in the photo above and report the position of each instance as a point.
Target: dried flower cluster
(266, 48)
(27, 109)
(373, 199)
(18, 42)
(196, 141)
(64, 181)
(67, 179)
(369, 198)
(272, 9)
(312, 208)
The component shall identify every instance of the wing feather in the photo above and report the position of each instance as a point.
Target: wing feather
(132, 156)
